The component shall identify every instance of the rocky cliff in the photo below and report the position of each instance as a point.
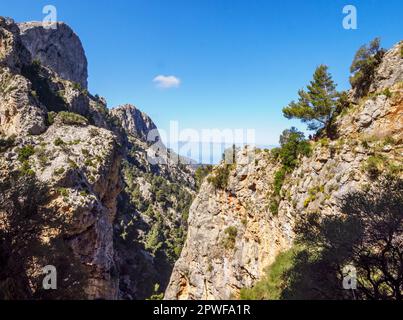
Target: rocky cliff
(57, 48)
(120, 219)
(233, 235)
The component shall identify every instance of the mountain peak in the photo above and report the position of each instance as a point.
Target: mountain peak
(134, 121)
(59, 49)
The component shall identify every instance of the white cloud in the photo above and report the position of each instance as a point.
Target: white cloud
(167, 82)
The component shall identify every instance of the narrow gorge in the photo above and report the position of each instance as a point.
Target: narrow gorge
(78, 190)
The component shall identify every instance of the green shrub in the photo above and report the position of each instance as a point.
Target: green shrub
(63, 192)
(89, 163)
(201, 173)
(51, 118)
(394, 169)
(156, 295)
(364, 65)
(42, 156)
(387, 93)
(78, 87)
(83, 193)
(273, 283)
(273, 206)
(85, 152)
(389, 141)
(231, 234)
(279, 178)
(374, 165)
(59, 171)
(26, 169)
(219, 177)
(275, 153)
(293, 144)
(25, 153)
(72, 119)
(308, 200)
(153, 241)
(58, 142)
(324, 142)
(72, 164)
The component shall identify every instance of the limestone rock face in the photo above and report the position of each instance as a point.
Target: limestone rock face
(19, 110)
(390, 71)
(211, 265)
(79, 163)
(59, 49)
(209, 268)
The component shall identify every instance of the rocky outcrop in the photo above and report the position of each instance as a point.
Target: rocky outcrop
(19, 111)
(57, 48)
(232, 233)
(390, 71)
(135, 122)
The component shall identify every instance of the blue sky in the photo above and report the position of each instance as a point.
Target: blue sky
(239, 61)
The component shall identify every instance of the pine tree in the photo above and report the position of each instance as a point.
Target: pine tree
(364, 65)
(317, 105)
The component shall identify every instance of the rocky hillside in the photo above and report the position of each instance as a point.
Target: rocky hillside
(120, 219)
(234, 231)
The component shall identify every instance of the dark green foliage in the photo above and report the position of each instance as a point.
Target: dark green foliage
(165, 196)
(220, 175)
(367, 235)
(72, 119)
(152, 212)
(279, 178)
(273, 206)
(272, 285)
(230, 237)
(293, 145)
(26, 169)
(25, 153)
(364, 65)
(154, 240)
(157, 294)
(59, 171)
(275, 153)
(317, 105)
(342, 104)
(374, 165)
(51, 118)
(58, 142)
(78, 87)
(40, 84)
(6, 143)
(201, 173)
(23, 203)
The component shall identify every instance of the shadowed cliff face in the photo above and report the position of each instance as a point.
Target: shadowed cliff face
(233, 236)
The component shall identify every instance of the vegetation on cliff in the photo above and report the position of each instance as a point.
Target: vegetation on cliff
(367, 236)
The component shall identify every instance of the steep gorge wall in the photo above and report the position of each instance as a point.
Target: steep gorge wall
(210, 269)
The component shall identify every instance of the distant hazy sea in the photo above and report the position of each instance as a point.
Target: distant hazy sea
(206, 152)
